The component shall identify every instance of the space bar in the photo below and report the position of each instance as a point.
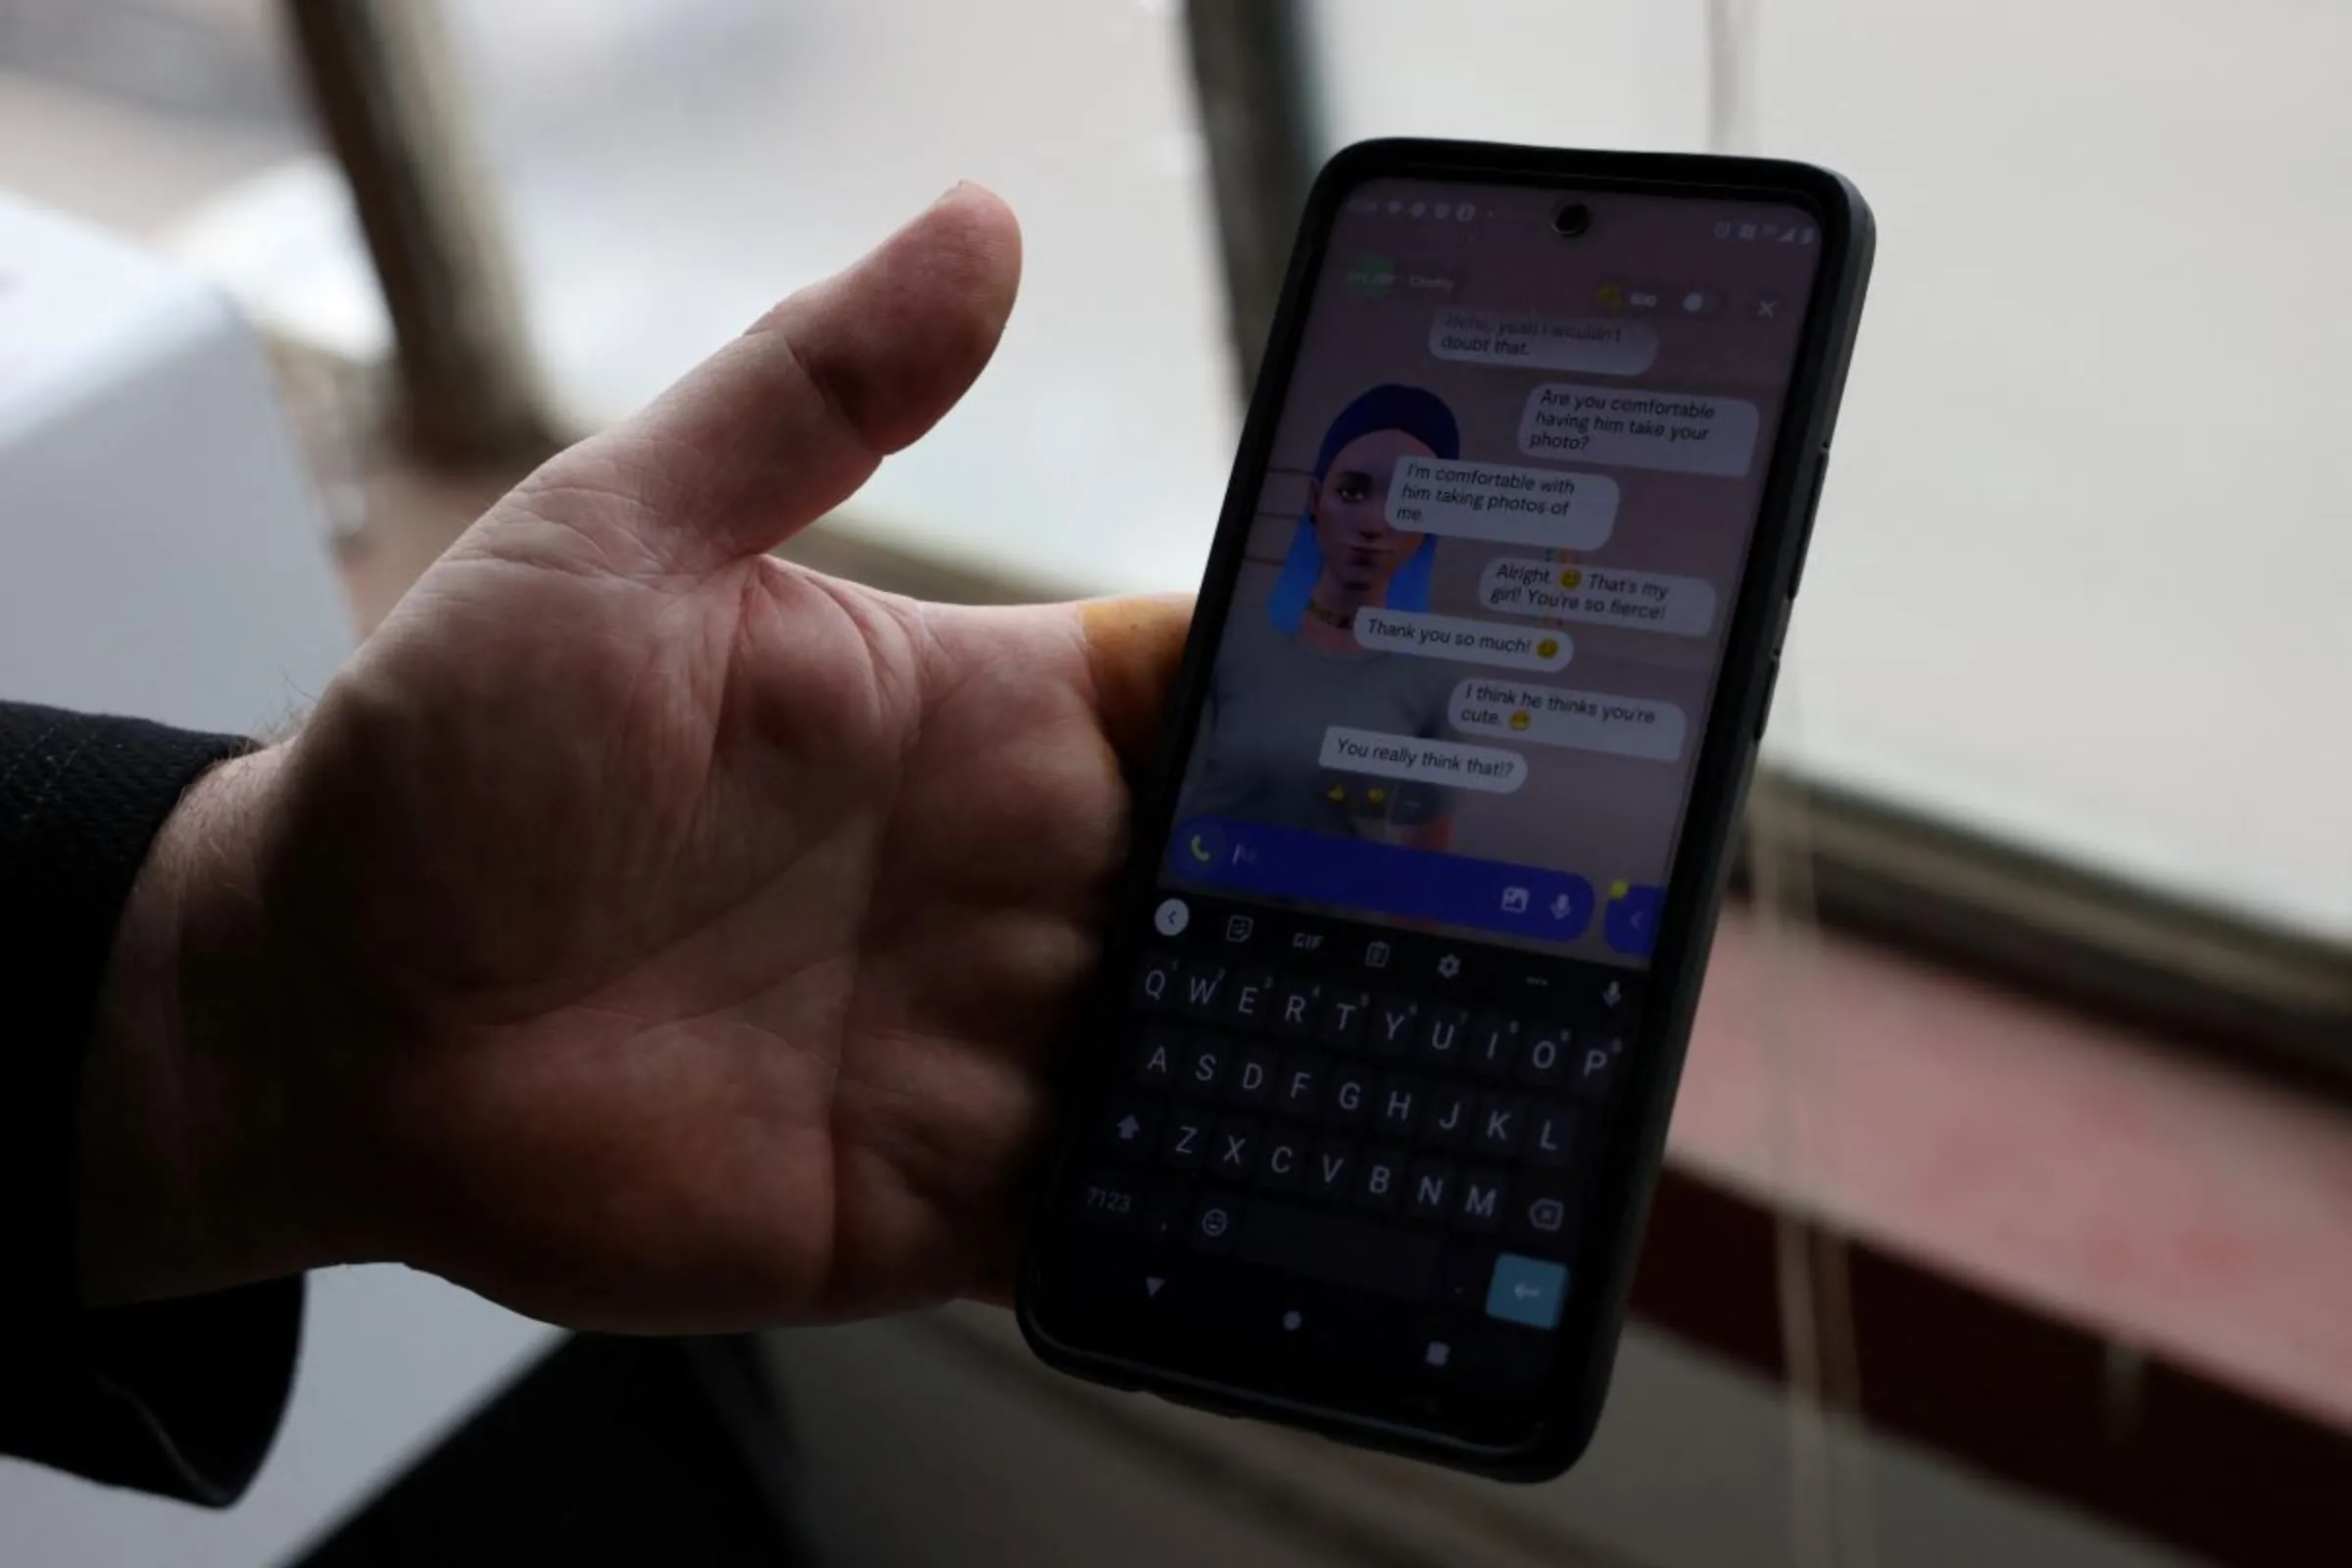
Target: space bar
(1344, 1251)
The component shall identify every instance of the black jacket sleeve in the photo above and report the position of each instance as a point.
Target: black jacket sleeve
(182, 1397)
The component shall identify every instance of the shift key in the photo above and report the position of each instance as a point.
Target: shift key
(1338, 1250)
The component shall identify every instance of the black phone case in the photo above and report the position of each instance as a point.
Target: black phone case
(1637, 1140)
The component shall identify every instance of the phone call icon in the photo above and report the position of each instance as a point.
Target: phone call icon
(1200, 846)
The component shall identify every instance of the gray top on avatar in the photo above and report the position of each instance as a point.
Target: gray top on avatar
(1258, 754)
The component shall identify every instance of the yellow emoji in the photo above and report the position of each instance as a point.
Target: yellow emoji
(1618, 890)
(1549, 647)
(1336, 794)
(1521, 720)
(1377, 796)
(1570, 577)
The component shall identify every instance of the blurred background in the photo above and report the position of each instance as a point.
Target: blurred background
(2010, 1212)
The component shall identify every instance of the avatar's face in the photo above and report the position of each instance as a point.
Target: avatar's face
(1351, 505)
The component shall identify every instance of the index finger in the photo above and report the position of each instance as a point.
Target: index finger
(1133, 648)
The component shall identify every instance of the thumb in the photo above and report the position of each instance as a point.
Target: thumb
(787, 421)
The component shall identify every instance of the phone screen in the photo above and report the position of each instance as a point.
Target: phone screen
(1433, 797)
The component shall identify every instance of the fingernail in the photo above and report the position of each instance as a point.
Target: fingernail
(951, 191)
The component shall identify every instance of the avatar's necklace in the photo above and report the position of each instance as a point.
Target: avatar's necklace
(1342, 619)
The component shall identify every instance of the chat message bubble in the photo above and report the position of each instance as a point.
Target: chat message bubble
(1679, 431)
(1544, 342)
(1462, 639)
(1645, 601)
(1588, 722)
(1503, 502)
(1425, 761)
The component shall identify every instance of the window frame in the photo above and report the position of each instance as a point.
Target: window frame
(2260, 994)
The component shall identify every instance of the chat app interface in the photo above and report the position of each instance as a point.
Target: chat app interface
(1424, 827)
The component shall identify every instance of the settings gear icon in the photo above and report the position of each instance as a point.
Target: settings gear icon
(1448, 967)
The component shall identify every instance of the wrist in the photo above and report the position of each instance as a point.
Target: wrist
(183, 1169)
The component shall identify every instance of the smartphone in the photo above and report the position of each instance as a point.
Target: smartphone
(1365, 1111)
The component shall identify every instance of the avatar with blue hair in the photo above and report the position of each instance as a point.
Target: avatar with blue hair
(1344, 554)
(1285, 677)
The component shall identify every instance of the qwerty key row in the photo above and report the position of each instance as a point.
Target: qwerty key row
(1396, 1028)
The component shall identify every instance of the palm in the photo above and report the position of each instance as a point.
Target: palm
(696, 922)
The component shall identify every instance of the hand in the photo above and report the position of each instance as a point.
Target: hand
(645, 932)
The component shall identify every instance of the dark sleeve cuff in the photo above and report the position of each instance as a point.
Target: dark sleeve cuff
(179, 1397)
